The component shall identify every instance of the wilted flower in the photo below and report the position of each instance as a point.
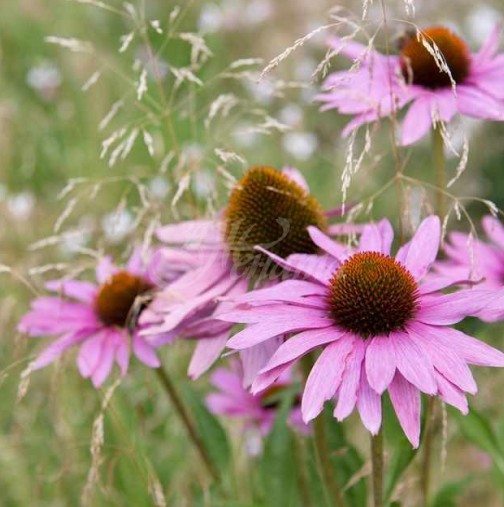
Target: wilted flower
(381, 326)
(435, 74)
(99, 318)
(260, 410)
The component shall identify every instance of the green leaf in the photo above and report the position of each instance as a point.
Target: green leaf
(278, 464)
(477, 429)
(403, 452)
(209, 428)
(347, 462)
(447, 495)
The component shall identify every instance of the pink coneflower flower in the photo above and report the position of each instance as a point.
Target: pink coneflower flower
(99, 318)
(478, 261)
(380, 325)
(268, 208)
(435, 73)
(257, 411)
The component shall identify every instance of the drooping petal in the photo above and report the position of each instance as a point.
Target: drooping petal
(347, 393)
(380, 363)
(301, 344)
(325, 377)
(56, 349)
(89, 354)
(369, 405)
(206, 352)
(257, 333)
(472, 350)
(445, 359)
(418, 120)
(413, 362)
(405, 399)
(255, 358)
(451, 394)
(105, 361)
(145, 352)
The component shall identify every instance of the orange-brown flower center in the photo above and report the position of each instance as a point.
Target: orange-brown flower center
(419, 66)
(117, 297)
(372, 294)
(270, 210)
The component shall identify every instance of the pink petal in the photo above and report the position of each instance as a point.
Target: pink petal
(75, 289)
(105, 361)
(376, 237)
(417, 122)
(257, 333)
(122, 355)
(347, 394)
(479, 104)
(490, 46)
(255, 358)
(192, 231)
(315, 267)
(89, 354)
(423, 247)
(445, 359)
(413, 362)
(494, 230)
(406, 402)
(451, 394)
(105, 269)
(294, 175)
(56, 349)
(339, 252)
(369, 405)
(447, 309)
(206, 352)
(145, 352)
(472, 350)
(380, 363)
(300, 344)
(325, 377)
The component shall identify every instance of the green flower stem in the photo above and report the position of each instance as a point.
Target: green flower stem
(377, 466)
(440, 168)
(187, 421)
(429, 434)
(326, 469)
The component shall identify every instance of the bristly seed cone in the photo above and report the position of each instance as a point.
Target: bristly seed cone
(372, 294)
(419, 67)
(116, 297)
(270, 210)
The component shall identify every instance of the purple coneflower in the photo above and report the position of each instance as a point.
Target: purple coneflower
(435, 73)
(99, 318)
(268, 208)
(257, 411)
(380, 324)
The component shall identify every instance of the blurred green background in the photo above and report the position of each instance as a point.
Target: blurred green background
(50, 134)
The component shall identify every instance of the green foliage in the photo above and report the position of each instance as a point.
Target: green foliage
(448, 495)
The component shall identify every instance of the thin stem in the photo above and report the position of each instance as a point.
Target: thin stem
(186, 419)
(440, 167)
(302, 475)
(429, 433)
(377, 464)
(323, 456)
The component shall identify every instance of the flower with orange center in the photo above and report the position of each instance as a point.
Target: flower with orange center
(101, 319)
(267, 209)
(435, 76)
(270, 210)
(380, 322)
